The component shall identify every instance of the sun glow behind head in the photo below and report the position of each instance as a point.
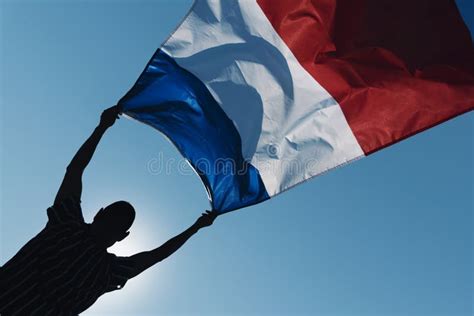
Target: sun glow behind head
(143, 237)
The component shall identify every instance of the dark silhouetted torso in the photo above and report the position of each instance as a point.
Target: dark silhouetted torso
(62, 270)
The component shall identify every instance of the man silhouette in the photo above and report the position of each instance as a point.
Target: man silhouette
(66, 267)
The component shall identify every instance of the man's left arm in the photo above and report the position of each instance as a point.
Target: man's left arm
(143, 260)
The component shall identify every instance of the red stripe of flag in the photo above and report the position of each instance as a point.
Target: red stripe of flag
(395, 67)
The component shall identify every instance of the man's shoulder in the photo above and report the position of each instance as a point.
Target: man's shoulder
(120, 261)
(121, 270)
(66, 210)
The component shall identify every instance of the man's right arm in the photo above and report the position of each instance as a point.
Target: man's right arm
(72, 182)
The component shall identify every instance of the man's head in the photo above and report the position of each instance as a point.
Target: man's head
(111, 223)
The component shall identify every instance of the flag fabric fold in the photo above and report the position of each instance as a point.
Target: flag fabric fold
(262, 95)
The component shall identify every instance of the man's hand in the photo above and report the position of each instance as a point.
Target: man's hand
(206, 219)
(108, 117)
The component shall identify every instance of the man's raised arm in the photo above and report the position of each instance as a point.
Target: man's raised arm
(72, 182)
(144, 260)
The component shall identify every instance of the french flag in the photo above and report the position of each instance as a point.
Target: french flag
(262, 95)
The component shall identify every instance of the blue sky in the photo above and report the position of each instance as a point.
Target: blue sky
(390, 234)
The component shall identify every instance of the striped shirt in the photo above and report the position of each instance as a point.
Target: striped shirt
(62, 270)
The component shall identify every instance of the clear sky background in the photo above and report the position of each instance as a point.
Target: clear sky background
(390, 234)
